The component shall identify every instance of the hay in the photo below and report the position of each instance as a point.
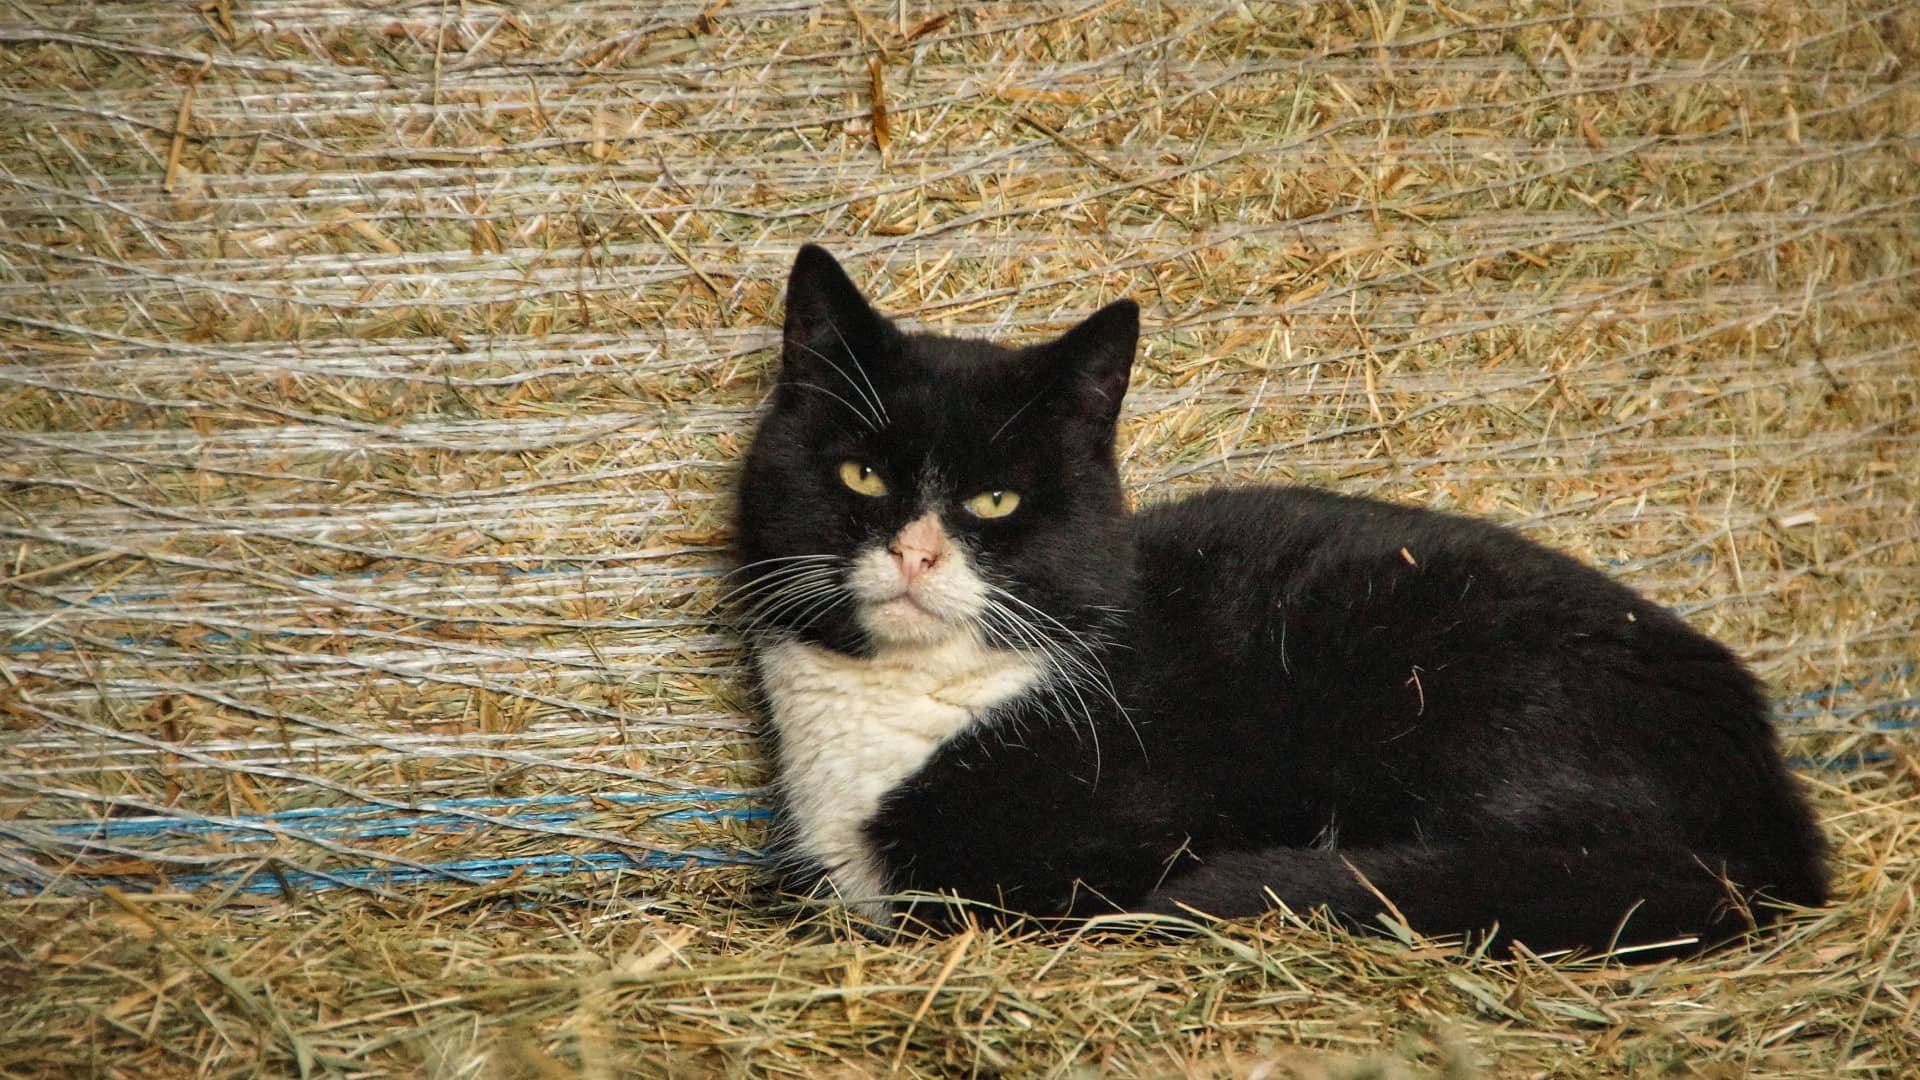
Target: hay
(371, 376)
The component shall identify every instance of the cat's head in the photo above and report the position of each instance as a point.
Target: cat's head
(906, 489)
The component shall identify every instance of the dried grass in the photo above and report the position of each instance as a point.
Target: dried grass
(371, 374)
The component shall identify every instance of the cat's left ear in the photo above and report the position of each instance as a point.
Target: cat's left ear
(1100, 350)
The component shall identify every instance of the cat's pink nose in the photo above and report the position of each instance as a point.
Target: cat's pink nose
(913, 561)
(918, 547)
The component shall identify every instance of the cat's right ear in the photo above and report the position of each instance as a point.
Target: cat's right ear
(828, 320)
(1101, 350)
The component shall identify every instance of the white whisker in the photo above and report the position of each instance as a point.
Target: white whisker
(792, 599)
(769, 579)
(1068, 671)
(1075, 660)
(744, 567)
(858, 415)
(799, 589)
(879, 406)
(875, 414)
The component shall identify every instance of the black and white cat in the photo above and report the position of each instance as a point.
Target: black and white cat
(983, 677)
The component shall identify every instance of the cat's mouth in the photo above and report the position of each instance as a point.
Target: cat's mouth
(906, 602)
(907, 618)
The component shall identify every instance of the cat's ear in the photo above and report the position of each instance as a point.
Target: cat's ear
(827, 318)
(1100, 352)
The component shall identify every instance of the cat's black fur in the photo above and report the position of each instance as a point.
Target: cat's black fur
(1327, 700)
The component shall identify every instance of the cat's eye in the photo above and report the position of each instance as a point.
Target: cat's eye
(993, 504)
(862, 478)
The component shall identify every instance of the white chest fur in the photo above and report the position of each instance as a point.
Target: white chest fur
(851, 730)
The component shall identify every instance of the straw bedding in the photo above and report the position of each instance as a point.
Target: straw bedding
(371, 377)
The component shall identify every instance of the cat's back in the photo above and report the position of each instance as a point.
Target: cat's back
(1307, 548)
(1302, 591)
(1307, 529)
(1235, 556)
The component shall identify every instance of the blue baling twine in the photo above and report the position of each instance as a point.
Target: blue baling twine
(493, 869)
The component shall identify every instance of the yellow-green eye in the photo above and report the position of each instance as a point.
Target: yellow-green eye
(862, 479)
(993, 504)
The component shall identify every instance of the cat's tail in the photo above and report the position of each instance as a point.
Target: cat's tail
(1548, 898)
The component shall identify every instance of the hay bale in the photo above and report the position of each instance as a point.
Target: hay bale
(371, 377)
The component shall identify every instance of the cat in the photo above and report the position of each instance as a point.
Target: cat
(984, 678)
